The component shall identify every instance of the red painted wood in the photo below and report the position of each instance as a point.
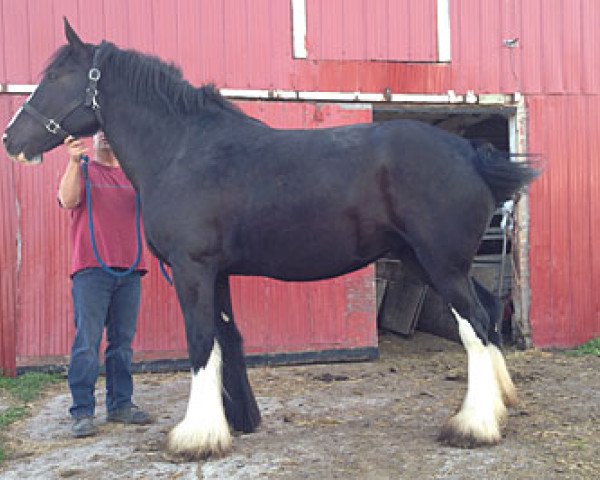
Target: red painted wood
(15, 33)
(564, 212)
(188, 39)
(141, 34)
(8, 255)
(590, 33)
(592, 142)
(581, 243)
(530, 71)
(372, 30)
(244, 44)
(44, 324)
(247, 44)
(541, 314)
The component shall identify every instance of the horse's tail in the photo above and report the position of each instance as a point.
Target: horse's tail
(504, 176)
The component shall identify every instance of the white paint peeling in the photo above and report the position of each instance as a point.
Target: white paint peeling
(521, 272)
(299, 28)
(17, 88)
(18, 238)
(443, 30)
(449, 97)
(348, 97)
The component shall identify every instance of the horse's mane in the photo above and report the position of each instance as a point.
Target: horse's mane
(154, 81)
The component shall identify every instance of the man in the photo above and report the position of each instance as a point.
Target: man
(99, 298)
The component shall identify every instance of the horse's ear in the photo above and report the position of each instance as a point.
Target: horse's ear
(72, 37)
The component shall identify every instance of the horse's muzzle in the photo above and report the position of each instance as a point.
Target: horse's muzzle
(21, 157)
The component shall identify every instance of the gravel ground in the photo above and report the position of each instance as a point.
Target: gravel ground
(376, 420)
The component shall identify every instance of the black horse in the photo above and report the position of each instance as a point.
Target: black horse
(224, 194)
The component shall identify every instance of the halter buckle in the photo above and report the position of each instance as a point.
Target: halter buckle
(52, 126)
(94, 74)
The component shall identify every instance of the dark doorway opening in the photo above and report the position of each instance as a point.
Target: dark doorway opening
(405, 303)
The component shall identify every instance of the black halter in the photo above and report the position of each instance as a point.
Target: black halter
(52, 125)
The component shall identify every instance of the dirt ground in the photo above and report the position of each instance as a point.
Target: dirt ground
(376, 420)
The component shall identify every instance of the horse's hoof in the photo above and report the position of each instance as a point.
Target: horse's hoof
(193, 445)
(460, 432)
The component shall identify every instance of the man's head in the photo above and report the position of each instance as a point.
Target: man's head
(100, 142)
(103, 152)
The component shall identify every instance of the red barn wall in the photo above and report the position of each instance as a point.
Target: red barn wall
(274, 317)
(247, 44)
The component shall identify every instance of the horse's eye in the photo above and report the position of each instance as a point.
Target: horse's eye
(52, 76)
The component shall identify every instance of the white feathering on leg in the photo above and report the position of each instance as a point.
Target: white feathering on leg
(478, 421)
(204, 431)
(507, 387)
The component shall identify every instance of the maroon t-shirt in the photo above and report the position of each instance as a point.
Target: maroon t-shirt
(113, 211)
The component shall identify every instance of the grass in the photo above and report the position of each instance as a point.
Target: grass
(590, 348)
(11, 415)
(22, 391)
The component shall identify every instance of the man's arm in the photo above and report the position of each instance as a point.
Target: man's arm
(69, 190)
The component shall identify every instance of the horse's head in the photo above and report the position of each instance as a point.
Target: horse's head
(63, 104)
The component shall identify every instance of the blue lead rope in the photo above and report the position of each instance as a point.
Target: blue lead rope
(117, 273)
(88, 196)
(164, 272)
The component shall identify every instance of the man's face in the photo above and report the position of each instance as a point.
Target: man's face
(100, 142)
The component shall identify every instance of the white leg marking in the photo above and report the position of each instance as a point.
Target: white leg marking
(478, 421)
(204, 431)
(507, 387)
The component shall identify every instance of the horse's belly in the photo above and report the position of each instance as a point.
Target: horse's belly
(309, 255)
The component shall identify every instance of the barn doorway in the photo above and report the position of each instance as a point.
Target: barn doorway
(405, 304)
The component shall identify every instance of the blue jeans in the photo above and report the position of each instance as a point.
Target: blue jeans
(103, 300)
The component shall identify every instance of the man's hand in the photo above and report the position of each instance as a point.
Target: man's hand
(75, 148)
(69, 190)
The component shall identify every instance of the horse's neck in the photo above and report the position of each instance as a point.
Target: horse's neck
(143, 140)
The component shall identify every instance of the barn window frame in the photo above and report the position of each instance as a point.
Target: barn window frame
(299, 20)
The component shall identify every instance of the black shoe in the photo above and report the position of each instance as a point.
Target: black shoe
(83, 427)
(131, 414)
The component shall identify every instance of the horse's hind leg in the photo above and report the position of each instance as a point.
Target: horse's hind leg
(494, 307)
(489, 391)
(489, 387)
(240, 405)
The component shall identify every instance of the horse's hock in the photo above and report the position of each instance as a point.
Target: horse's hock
(404, 302)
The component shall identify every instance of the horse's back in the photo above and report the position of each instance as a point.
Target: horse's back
(317, 203)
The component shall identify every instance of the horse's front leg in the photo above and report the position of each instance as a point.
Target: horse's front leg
(241, 409)
(204, 431)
